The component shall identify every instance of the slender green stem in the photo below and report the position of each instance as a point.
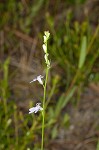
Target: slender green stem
(5, 103)
(43, 112)
(46, 37)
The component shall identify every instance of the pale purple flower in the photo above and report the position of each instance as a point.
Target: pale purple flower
(39, 79)
(36, 108)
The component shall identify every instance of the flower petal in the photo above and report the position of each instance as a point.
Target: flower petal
(35, 109)
(44, 48)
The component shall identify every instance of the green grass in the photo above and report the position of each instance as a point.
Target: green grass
(15, 130)
(74, 54)
(75, 50)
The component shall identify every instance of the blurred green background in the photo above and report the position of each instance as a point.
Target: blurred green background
(72, 114)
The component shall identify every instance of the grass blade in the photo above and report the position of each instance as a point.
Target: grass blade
(64, 100)
(83, 52)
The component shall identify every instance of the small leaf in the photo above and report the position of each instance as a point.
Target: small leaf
(82, 52)
(66, 120)
(54, 132)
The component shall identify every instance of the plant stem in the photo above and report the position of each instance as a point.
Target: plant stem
(43, 112)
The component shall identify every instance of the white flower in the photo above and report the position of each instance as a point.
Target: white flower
(46, 36)
(44, 48)
(45, 39)
(36, 108)
(39, 79)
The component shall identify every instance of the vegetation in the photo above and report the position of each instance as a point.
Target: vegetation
(73, 49)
